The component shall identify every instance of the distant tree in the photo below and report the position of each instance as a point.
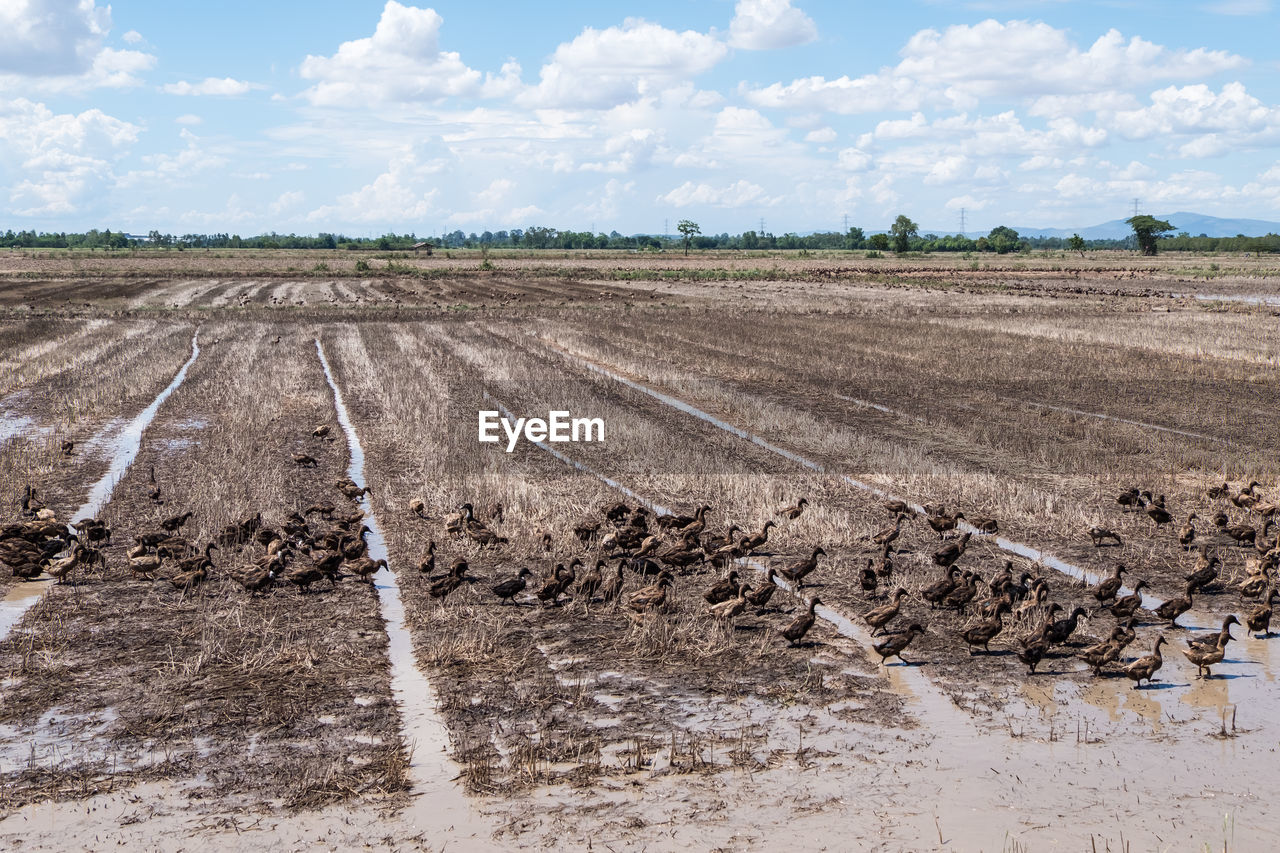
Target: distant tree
(903, 229)
(1076, 244)
(1148, 229)
(750, 240)
(878, 242)
(1003, 240)
(855, 239)
(688, 229)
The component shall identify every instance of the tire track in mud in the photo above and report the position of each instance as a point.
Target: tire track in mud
(768, 362)
(441, 806)
(126, 446)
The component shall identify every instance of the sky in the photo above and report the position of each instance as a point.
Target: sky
(364, 117)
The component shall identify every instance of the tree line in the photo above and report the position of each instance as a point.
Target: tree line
(902, 236)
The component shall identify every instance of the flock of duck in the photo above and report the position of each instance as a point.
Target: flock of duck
(325, 544)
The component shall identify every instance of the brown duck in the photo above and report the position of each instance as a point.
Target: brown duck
(890, 534)
(1259, 621)
(937, 591)
(756, 540)
(727, 611)
(509, 589)
(1128, 605)
(1144, 668)
(800, 626)
(984, 632)
(878, 617)
(1099, 535)
(723, 589)
(1175, 607)
(798, 571)
(951, 552)
(652, 597)
(1206, 656)
(943, 523)
(1220, 637)
(895, 645)
(760, 597)
(365, 568)
(791, 513)
(1110, 586)
(450, 582)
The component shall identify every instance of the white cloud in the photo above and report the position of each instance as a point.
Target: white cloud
(821, 135)
(737, 194)
(57, 45)
(1197, 109)
(769, 24)
(287, 201)
(176, 169)
(189, 119)
(965, 64)
(208, 86)
(401, 61)
(853, 159)
(132, 37)
(65, 159)
(400, 194)
(602, 68)
(967, 202)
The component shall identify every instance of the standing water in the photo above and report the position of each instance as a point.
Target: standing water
(123, 449)
(440, 808)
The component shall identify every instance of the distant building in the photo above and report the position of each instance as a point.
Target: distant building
(419, 246)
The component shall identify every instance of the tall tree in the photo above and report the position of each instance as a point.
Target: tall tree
(688, 229)
(1076, 244)
(1148, 230)
(903, 229)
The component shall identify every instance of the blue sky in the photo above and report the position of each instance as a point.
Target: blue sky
(363, 117)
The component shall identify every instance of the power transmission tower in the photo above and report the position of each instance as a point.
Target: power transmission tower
(962, 222)
(1136, 204)
(846, 223)
(665, 234)
(761, 226)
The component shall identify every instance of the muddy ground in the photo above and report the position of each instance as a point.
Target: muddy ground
(131, 707)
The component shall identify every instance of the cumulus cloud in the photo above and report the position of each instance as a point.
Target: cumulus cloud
(769, 24)
(602, 68)
(66, 159)
(738, 194)
(401, 61)
(209, 86)
(1198, 109)
(58, 45)
(966, 64)
(822, 135)
(178, 168)
(402, 194)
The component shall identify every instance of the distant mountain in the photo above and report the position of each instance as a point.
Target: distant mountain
(1194, 224)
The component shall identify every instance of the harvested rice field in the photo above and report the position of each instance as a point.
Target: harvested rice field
(863, 554)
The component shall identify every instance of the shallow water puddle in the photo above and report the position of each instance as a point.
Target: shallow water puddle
(440, 806)
(122, 446)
